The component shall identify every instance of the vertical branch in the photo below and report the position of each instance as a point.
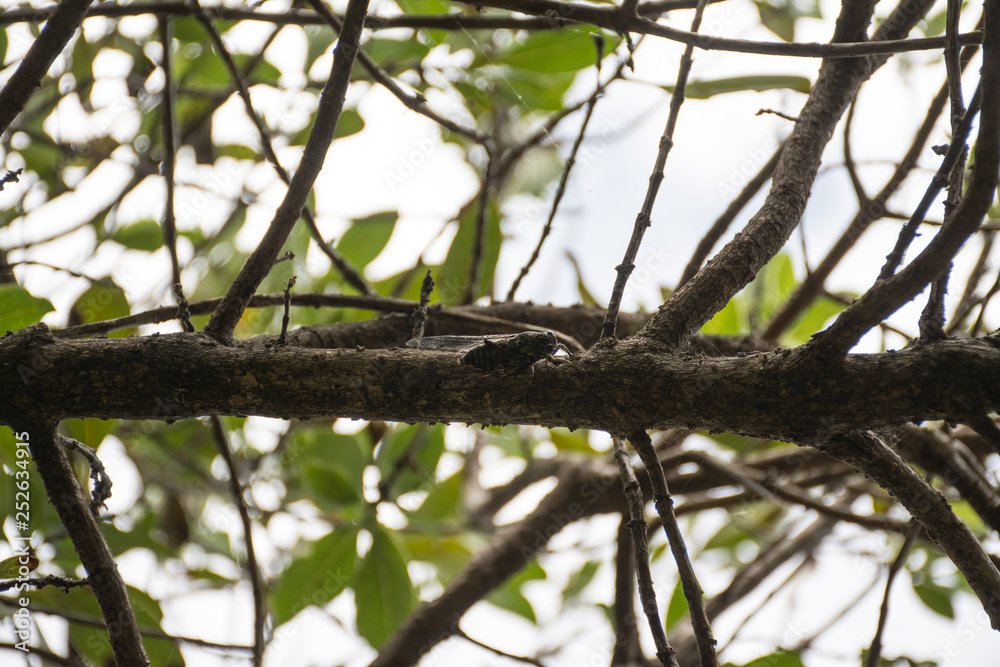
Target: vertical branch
(875, 651)
(643, 220)
(256, 581)
(331, 103)
(66, 496)
(627, 647)
(482, 222)
(689, 580)
(932, 317)
(168, 127)
(637, 526)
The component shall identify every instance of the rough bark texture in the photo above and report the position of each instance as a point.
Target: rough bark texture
(770, 394)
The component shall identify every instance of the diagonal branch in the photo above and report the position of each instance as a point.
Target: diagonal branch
(739, 261)
(59, 27)
(66, 496)
(868, 453)
(331, 103)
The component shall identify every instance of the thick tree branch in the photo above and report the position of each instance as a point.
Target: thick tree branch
(767, 395)
(585, 488)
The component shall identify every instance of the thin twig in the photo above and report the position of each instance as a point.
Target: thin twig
(481, 223)
(563, 179)
(66, 496)
(637, 526)
(419, 316)
(256, 580)
(168, 126)
(283, 336)
(61, 21)
(664, 505)
(875, 651)
(806, 292)
(643, 220)
(102, 483)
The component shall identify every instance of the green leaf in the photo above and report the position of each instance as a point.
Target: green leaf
(571, 441)
(331, 465)
(10, 568)
(143, 235)
(548, 51)
(367, 237)
(779, 16)
(812, 321)
(316, 579)
(18, 308)
(702, 90)
(101, 302)
(509, 595)
(580, 579)
(416, 449)
(936, 598)
(90, 432)
(443, 502)
(383, 592)
(677, 609)
(729, 321)
(452, 276)
(782, 659)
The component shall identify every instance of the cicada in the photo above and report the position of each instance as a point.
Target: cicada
(507, 353)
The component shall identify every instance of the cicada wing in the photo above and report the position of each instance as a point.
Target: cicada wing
(450, 343)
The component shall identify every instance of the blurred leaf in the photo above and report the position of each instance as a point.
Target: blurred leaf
(383, 592)
(813, 320)
(416, 449)
(367, 237)
(90, 432)
(586, 298)
(143, 235)
(10, 568)
(101, 302)
(317, 578)
(330, 465)
(702, 90)
(572, 441)
(780, 16)
(443, 502)
(509, 595)
(782, 659)
(936, 598)
(729, 321)
(19, 309)
(677, 609)
(533, 92)
(580, 579)
(452, 276)
(567, 50)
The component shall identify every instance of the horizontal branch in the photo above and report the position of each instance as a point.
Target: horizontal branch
(550, 14)
(771, 395)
